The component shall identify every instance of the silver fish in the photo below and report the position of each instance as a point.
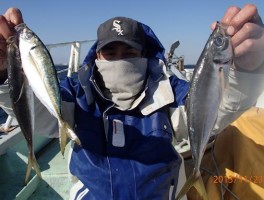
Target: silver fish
(41, 73)
(22, 98)
(204, 99)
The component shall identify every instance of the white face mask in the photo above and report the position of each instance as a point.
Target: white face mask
(123, 79)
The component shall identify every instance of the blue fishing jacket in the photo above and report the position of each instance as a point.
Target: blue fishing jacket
(125, 154)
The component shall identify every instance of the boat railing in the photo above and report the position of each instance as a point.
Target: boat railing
(75, 53)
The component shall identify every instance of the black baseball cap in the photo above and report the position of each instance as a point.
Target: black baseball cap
(121, 29)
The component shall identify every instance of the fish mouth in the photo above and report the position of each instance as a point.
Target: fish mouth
(222, 25)
(33, 47)
(222, 61)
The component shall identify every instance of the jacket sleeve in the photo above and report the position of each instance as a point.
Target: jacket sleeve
(180, 87)
(241, 94)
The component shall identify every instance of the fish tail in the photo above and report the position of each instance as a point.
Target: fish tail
(66, 131)
(32, 163)
(200, 188)
(36, 166)
(63, 136)
(193, 181)
(29, 167)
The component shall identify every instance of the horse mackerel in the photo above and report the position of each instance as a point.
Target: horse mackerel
(40, 70)
(204, 99)
(22, 98)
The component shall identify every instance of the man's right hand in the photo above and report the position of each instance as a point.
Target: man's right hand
(8, 21)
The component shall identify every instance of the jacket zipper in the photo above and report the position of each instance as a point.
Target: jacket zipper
(105, 116)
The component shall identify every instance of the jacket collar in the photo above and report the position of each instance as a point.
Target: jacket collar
(158, 92)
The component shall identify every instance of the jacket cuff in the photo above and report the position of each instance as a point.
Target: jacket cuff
(243, 91)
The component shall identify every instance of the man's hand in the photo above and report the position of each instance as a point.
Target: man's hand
(247, 31)
(8, 21)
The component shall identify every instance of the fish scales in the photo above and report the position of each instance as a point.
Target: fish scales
(49, 75)
(204, 99)
(203, 103)
(41, 73)
(22, 98)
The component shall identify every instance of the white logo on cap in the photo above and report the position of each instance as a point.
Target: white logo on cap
(117, 27)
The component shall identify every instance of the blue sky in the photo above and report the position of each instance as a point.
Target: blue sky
(188, 21)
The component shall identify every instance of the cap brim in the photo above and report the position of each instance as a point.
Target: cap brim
(131, 43)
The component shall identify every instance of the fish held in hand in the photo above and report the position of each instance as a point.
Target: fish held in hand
(41, 73)
(204, 99)
(22, 98)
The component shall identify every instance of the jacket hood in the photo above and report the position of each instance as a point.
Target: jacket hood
(153, 47)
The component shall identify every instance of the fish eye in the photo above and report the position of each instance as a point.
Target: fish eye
(29, 35)
(219, 40)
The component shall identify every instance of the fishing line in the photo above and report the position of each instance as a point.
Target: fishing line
(190, 163)
(218, 173)
(216, 168)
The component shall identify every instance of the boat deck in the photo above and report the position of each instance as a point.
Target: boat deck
(55, 182)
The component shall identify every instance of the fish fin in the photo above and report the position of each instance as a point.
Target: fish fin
(29, 167)
(186, 102)
(186, 187)
(71, 134)
(222, 79)
(36, 166)
(195, 180)
(224, 83)
(223, 73)
(66, 131)
(21, 92)
(63, 136)
(200, 188)
(32, 163)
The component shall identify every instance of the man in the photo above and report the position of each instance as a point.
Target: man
(127, 109)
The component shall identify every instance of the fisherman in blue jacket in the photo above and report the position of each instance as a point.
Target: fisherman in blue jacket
(128, 109)
(121, 106)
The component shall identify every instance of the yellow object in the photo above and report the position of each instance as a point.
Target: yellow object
(239, 155)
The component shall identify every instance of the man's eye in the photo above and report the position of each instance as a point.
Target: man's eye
(129, 54)
(110, 54)
(132, 53)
